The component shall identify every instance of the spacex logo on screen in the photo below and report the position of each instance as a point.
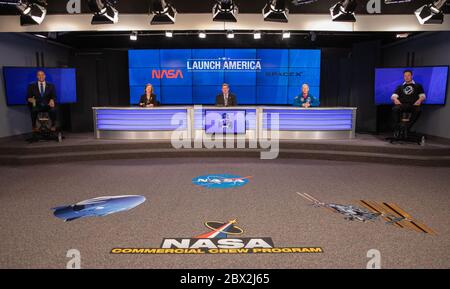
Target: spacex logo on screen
(224, 64)
(167, 73)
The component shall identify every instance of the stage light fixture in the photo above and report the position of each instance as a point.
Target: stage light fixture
(256, 35)
(104, 11)
(134, 36)
(169, 34)
(431, 13)
(402, 35)
(344, 11)
(32, 12)
(286, 34)
(163, 13)
(225, 11)
(276, 11)
(230, 34)
(202, 34)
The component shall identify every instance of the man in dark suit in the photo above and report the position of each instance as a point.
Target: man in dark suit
(226, 98)
(41, 97)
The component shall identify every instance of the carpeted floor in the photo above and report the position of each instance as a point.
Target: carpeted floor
(268, 206)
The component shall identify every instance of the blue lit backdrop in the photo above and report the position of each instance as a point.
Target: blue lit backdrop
(279, 80)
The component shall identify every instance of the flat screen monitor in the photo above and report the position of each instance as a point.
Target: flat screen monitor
(225, 121)
(17, 80)
(434, 80)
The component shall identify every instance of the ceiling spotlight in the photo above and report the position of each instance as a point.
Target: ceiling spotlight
(286, 34)
(230, 34)
(164, 13)
(402, 35)
(202, 34)
(134, 36)
(344, 11)
(104, 11)
(225, 10)
(275, 11)
(256, 35)
(41, 36)
(169, 34)
(431, 13)
(32, 12)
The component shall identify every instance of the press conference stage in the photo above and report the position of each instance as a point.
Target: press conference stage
(224, 147)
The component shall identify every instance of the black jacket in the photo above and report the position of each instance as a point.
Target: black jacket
(220, 101)
(49, 93)
(145, 101)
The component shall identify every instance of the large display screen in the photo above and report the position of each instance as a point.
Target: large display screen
(17, 80)
(432, 78)
(195, 76)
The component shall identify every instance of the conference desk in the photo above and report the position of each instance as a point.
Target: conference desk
(159, 123)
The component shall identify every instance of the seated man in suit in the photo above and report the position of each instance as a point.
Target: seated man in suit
(226, 98)
(41, 97)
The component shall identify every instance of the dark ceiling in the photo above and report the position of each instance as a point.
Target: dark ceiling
(245, 6)
(188, 39)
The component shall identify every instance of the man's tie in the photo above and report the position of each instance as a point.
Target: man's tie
(226, 100)
(41, 89)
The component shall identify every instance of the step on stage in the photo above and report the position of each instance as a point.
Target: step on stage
(85, 147)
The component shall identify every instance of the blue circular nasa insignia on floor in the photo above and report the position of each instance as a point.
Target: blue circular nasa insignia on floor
(220, 181)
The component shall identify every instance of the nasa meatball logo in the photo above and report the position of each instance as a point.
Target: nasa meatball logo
(221, 238)
(220, 181)
(408, 90)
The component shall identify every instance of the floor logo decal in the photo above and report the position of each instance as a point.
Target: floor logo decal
(221, 181)
(98, 207)
(372, 211)
(221, 239)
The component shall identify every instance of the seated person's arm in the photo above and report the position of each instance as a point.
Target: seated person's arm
(52, 101)
(422, 96)
(142, 102)
(314, 101)
(31, 100)
(395, 95)
(296, 101)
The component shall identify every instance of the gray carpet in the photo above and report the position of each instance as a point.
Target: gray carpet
(268, 206)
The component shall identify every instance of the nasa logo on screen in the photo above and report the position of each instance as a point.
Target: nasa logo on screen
(220, 181)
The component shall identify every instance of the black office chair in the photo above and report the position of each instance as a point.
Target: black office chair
(403, 134)
(44, 131)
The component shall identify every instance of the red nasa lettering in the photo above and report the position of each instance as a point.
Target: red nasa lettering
(167, 73)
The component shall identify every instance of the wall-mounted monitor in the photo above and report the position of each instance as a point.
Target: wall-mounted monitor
(434, 80)
(17, 80)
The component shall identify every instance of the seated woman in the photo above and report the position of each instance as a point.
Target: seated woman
(305, 99)
(148, 99)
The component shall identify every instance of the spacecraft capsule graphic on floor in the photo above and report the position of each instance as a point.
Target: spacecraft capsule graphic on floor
(98, 207)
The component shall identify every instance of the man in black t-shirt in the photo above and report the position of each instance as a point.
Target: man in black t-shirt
(408, 97)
